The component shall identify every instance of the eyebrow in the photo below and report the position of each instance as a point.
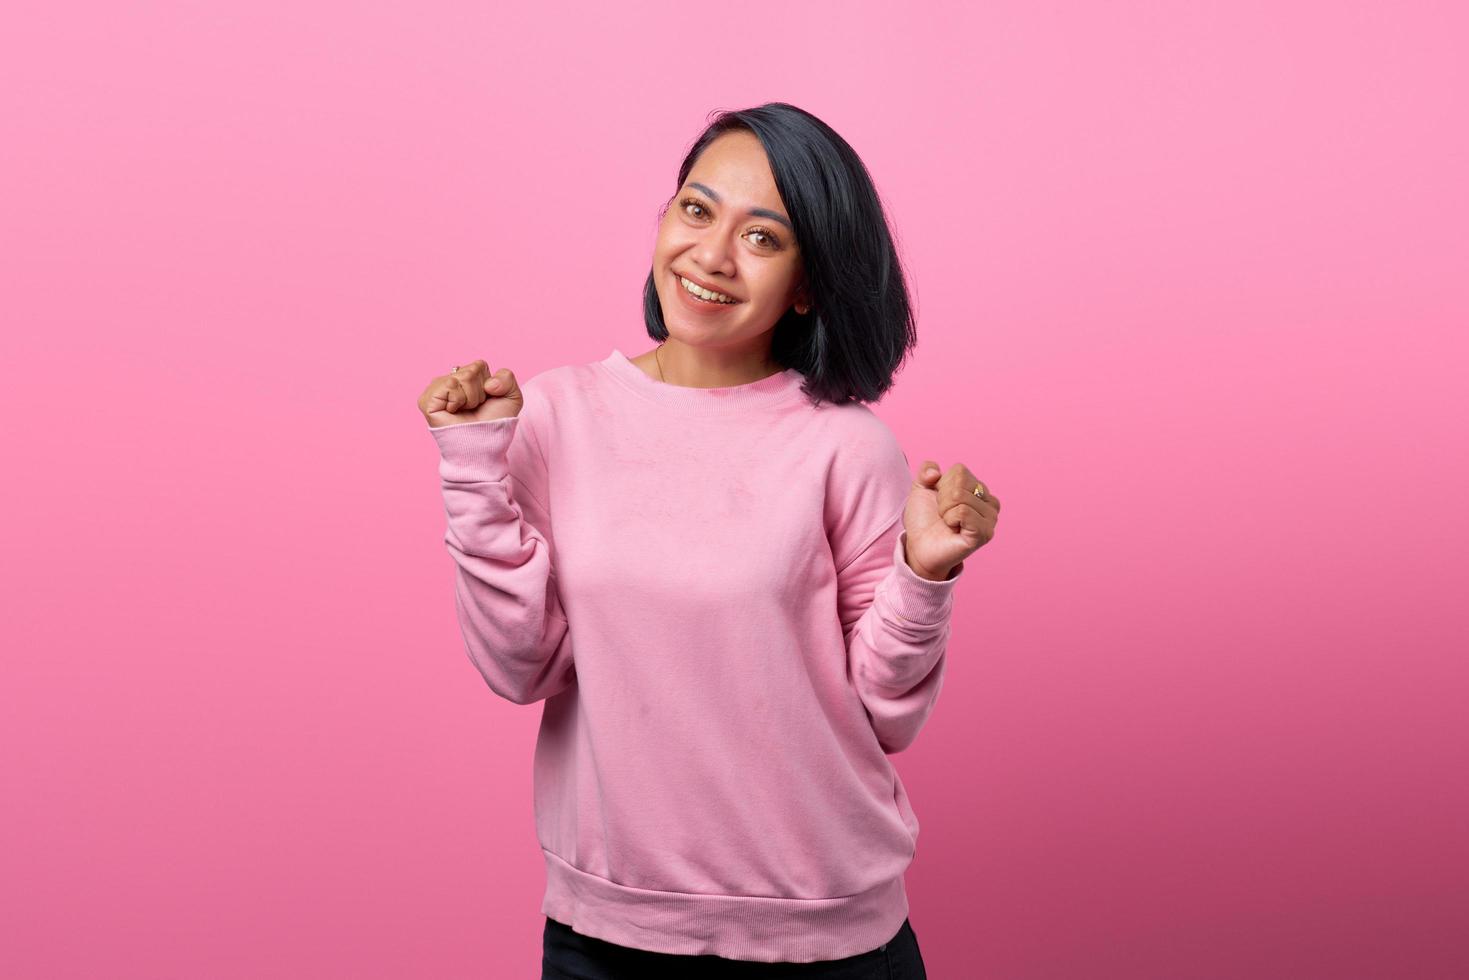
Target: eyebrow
(756, 212)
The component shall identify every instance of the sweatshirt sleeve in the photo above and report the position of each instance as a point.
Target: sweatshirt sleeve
(896, 623)
(897, 628)
(493, 480)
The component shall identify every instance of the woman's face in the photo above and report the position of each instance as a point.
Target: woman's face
(727, 230)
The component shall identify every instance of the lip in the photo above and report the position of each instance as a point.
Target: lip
(707, 285)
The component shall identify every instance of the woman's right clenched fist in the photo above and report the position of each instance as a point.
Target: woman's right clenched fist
(471, 394)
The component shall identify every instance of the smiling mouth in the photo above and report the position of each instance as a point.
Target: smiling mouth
(698, 292)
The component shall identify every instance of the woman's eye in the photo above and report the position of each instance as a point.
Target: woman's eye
(771, 241)
(690, 202)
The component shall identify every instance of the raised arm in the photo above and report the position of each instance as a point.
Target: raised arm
(896, 622)
(492, 475)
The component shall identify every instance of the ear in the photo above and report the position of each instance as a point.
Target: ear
(802, 302)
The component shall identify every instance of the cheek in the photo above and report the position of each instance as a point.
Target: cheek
(768, 286)
(668, 244)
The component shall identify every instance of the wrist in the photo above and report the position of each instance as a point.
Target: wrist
(931, 574)
(942, 575)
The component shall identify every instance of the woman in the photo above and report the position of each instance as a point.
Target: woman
(715, 566)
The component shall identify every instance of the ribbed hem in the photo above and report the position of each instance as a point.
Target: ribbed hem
(776, 389)
(470, 452)
(917, 599)
(736, 927)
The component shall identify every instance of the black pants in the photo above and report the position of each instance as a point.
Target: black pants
(568, 955)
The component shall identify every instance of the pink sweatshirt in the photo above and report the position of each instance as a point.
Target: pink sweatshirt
(707, 588)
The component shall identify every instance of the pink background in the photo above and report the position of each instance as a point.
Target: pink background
(1192, 300)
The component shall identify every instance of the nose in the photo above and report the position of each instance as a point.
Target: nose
(713, 252)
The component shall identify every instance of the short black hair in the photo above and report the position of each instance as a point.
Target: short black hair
(860, 324)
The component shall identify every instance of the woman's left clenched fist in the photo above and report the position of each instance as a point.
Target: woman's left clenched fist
(946, 520)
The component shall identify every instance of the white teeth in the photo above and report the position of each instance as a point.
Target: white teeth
(703, 293)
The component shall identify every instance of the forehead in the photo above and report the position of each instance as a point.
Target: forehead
(735, 167)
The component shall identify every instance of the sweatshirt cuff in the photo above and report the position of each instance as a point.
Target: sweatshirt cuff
(473, 452)
(915, 598)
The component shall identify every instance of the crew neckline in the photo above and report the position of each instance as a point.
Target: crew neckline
(771, 390)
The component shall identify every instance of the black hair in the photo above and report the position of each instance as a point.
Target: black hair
(860, 323)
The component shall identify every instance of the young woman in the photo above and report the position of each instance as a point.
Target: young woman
(715, 566)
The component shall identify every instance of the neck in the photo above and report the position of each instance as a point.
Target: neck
(702, 367)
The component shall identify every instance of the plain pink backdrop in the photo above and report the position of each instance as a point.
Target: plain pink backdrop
(1191, 284)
